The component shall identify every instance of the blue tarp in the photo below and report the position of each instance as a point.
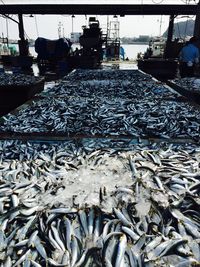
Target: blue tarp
(52, 49)
(122, 52)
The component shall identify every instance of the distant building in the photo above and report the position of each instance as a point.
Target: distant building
(143, 36)
(74, 38)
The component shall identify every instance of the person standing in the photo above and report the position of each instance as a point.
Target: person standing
(188, 57)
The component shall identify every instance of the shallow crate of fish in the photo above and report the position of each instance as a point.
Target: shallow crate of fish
(102, 117)
(16, 89)
(188, 87)
(103, 74)
(128, 84)
(125, 89)
(67, 204)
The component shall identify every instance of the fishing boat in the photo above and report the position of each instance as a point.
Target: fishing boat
(154, 62)
(156, 48)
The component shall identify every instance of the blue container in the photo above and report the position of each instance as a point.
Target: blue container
(16, 70)
(63, 67)
(2, 70)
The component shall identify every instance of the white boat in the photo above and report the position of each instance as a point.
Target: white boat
(155, 50)
(157, 46)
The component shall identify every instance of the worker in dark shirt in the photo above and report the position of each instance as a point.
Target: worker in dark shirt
(188, 57)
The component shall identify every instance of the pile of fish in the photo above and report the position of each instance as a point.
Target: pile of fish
(105, 74)
(17, 79)
(190, 84)
(126, 84)
(105, 117)
(153, 221)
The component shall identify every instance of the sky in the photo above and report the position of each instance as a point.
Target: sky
(47, 26)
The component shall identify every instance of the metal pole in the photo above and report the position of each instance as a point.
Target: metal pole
(23, 44)
(108, 33)
(169, 36)
(197, 22)
(21, 27)
(7, 31)
(59, 29)
(160, 26)
(73, 23)
(170, 29)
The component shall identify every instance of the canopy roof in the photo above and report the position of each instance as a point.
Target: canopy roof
(89, 7)
(162, 2)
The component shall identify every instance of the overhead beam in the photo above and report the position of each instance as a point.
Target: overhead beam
(92, 9)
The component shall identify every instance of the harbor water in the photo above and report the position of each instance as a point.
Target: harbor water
(131, 50)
